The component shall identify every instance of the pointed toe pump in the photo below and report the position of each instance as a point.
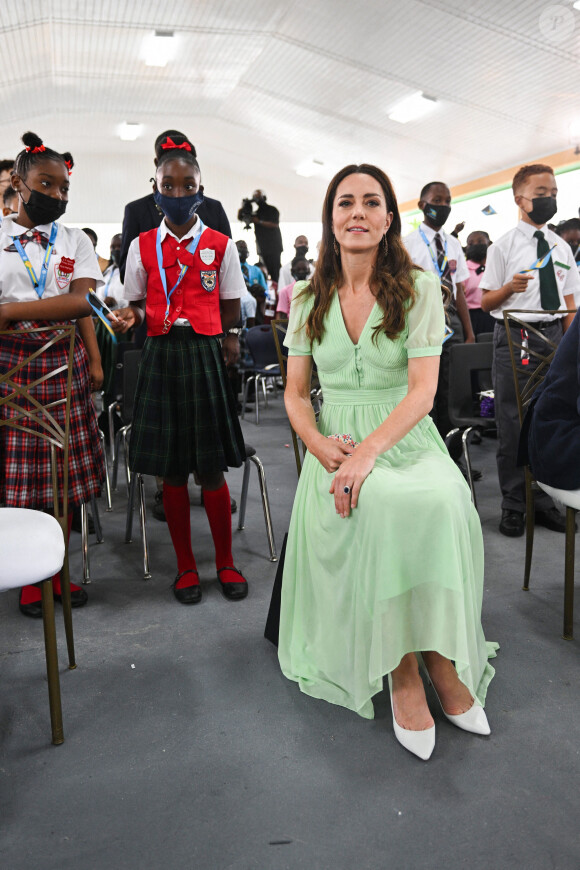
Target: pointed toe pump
(420, 743)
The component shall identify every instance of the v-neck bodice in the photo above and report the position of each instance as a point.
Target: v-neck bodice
(378, 363)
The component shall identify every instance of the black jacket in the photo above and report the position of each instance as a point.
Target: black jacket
(142, 215)
(550, 438)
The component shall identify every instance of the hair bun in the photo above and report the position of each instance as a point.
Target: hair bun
(173, 140)
(31, 140)
(68, 159)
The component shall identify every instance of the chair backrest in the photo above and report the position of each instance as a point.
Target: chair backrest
(21, 408)
(527, 381)
(468, 364)
(260, 342)
(484, 336)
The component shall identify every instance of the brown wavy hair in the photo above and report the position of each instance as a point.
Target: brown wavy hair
(392, 279)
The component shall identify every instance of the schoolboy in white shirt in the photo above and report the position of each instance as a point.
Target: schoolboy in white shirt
(437, 251)
(505, 285)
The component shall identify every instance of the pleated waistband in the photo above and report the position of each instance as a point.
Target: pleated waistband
(364, 397)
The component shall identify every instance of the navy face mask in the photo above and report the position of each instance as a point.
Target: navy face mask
(179, 209)
(438, 214)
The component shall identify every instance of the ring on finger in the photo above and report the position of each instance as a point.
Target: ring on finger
(347, 490)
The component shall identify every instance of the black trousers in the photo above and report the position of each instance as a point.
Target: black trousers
(511, 477)
(440, 412)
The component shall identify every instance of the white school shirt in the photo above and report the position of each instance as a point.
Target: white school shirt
(421, 254)
(231, 280)
(71, 247)
(113, 286)
(517, 250)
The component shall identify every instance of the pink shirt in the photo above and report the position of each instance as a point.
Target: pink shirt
(285, 298)
(471, 285)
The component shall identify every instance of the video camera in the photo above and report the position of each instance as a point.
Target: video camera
(246, 212)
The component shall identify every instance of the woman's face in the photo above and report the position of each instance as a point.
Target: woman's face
(49, 177)
(359, 214)
(177, 178)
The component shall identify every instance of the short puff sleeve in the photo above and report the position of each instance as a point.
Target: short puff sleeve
(426, 319)
(296, 340)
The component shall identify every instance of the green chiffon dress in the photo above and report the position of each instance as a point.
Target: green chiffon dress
(404, 572)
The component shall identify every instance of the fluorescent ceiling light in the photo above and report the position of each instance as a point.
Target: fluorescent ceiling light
(576, 5)
(158, 47)
(309, 167)
(129, 132)
(413, 107)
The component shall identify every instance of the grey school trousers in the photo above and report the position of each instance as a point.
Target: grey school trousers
(511, 477)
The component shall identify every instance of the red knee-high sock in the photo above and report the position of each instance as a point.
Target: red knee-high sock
(218, 508)
(31, 594)
(177, 514)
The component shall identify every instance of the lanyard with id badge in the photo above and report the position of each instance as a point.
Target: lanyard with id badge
(192, 248)
(39, 284)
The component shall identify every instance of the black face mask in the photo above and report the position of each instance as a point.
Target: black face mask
(179, 209)
(477, 253)
(115, 256)
(543, 208)
(41, 208)
(301, 250)
(437, 214)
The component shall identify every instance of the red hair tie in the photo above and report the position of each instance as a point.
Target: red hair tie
(170, 144)
(36, 148)
(68, 165)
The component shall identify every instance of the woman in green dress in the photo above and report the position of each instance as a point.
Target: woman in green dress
(384, 561)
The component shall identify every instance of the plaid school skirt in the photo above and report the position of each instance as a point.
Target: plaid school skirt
(185, 416)
(25, 462)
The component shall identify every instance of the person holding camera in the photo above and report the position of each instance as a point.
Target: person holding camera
(266, 220)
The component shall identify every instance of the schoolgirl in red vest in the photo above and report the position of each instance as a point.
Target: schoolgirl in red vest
(188, 280)
(46, 271)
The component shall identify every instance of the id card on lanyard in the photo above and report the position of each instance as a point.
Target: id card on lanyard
(433, 257)
(39, 284)
(192, 248)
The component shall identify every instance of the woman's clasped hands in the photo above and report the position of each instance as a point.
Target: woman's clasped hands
(352, 467)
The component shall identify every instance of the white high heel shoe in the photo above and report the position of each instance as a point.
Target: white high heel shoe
(420, 743)
(473, 720)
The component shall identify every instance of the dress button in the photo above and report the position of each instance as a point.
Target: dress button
(178, 248)
(178, 292)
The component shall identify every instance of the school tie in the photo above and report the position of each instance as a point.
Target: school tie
(175, 252)
(246, 273)
(31, 236)
(549, 296)
(444, 269)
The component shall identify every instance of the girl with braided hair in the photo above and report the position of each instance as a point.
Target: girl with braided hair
(46, 271)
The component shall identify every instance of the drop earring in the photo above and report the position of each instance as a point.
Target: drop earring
(335, 246)
(385, 245)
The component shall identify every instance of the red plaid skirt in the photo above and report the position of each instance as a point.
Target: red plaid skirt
(25, 461)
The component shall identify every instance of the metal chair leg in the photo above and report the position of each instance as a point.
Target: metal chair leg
(107, 480)
(115, 446)
(85, 545)
(257, 397)
(465, 445)
(143, 518)
(110, 410)
(130, 508)
(569, 574)
(126, 455)
(247, 382)
(52, 674)
(530, 521)
(97, 520)
(244, 496)
(266, 507)
(265, 390)
(67, 608)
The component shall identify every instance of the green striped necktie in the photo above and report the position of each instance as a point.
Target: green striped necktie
(549, 296)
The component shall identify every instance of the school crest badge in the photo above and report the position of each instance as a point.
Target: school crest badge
(209, 280)
(207, 256)
(63, 272)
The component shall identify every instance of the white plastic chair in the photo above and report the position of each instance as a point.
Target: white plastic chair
(33, 550)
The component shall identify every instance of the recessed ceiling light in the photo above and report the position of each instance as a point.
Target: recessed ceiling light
(309, 167)
(129, 132)
(415, 106)
(576, 5)
(158, 47)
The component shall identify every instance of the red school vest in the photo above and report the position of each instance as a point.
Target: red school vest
(197, 297)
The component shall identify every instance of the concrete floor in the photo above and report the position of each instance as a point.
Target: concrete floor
(186, 748)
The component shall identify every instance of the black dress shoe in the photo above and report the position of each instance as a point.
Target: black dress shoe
(34, 609)
(78, 597)
(551, 519)
(188, 594)
(234, 504)
(77, 524)
(233, 591)
(512, 523)
(158, 510)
